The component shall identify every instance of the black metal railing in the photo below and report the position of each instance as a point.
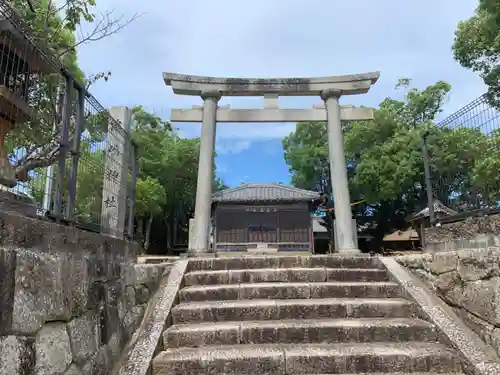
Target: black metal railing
(464, 153)
(60, 150)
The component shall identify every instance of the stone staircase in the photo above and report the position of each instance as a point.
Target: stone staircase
(298, 315)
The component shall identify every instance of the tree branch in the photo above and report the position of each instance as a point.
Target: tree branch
(30, 5)
(38, 158)
(47, 14)
(107, 25)
(95, 77)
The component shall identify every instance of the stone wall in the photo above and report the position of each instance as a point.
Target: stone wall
(467, 280)
(471, 233)
(70, 299)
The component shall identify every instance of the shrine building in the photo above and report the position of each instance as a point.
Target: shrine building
(263, 216)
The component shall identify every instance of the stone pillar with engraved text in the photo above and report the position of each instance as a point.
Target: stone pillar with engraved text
(114, 194)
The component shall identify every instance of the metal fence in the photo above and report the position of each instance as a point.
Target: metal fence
(464, 151)
(62, 155)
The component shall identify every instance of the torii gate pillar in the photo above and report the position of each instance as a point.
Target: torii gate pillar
(338, 173)
(205, 180)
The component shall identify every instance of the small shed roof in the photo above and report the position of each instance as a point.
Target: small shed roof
(263, 192)
(439, 208)
(402, 235)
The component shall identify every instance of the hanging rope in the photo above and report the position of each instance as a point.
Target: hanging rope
(333, 209)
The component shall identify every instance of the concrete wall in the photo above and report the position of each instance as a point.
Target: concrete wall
(472, 233)
(70, 300)
(467, 280)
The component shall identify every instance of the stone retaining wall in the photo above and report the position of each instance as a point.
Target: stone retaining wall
(467, 280)
(70, 299)
(472, 233)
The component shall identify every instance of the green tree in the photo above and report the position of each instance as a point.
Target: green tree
(386, 152)
(35, 143)
(219, 184)
(89, 184)
(167, 165)
(384, 159)
(150, 198)
(55, 24)
(166, 184)
(477, 45)
(484, 187)
(173, 162)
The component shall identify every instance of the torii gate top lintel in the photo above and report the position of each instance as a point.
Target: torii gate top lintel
(352, 84)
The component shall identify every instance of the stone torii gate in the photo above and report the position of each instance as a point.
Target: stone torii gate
(330, 89)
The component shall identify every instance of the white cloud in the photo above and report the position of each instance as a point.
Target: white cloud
(277, 38)
(221, 168)
(223, 147)
(234, 138)
(240, 132)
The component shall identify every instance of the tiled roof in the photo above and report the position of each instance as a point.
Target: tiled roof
(263, 192)
(439, 208)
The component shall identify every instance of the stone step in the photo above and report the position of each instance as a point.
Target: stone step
(398, 373)
(284, 261)
(281, 359)
(299, 331)
(269, 309)
(291, 290)
(284, 275)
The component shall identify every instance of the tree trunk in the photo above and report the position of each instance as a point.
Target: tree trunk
(148, 233)
(140, 232)
(168, 228)
(175, 235)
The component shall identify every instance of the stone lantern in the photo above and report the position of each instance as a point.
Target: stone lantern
(20, 63)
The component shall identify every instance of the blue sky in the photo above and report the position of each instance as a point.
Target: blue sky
(275, 38)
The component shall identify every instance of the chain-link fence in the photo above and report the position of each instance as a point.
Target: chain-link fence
(464, 152)
(62, 155)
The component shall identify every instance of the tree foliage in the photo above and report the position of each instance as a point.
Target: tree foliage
(167, 164)
(150, 198)
(477, 45)
(57, 27)
(172, 163)
(165, 187)
(384, 159)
